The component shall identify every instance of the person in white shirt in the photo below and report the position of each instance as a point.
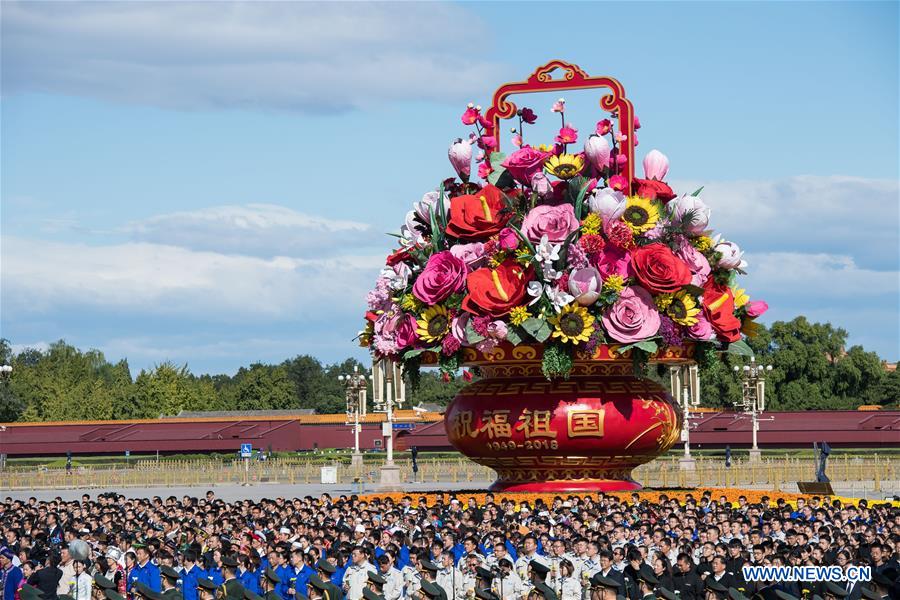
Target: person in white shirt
(357, 575)
(449, 577)
(570, 587)
(508, 586)
(393, 580)
(529, 553)
(80, 583)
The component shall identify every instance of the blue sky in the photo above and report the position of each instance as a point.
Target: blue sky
(210, 183)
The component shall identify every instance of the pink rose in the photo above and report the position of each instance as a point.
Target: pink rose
(471, 254)
(633, 317)
(458, 327)
(556, 222)
(756, 308)
(508, 239)
(612, 260)
(394, 331)
(696, 262)
(524, 163)
(444, 274)
(702, 330)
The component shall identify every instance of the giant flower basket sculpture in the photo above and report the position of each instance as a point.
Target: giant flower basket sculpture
(560, 276)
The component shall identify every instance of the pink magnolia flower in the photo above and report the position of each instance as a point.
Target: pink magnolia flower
(585, 285)
(621, 137)
(618, 182)
(444, 274)
(555, 222)
(604, 127)
(732, 255)
(470, 115)
(694, 207)
(559, 106)
(517, 140)
(608, 203)
(567, 135)
(597, 149)
(541, 184)
(656, 165)
(528, 115)
(460, 155)
(756, 308)
(487, 142)
(458, 327)
(633, 317)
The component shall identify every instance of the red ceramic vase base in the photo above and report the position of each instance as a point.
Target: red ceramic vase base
(552, 487)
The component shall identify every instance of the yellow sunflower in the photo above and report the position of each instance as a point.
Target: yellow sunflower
(565, 166)
(574, 324)
(683, 309)
(433, 324)
(640, 214)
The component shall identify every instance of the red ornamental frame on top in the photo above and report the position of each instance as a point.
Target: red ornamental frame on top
(574, 78)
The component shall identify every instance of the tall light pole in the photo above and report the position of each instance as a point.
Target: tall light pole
(5, 374)
(685, 382)
(753, 398)
(355, 389)
(388, 390)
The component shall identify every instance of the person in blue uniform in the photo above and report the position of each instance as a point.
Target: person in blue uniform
(144, 571)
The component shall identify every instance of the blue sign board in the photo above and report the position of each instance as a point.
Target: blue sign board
(246, 450)
(404, 425)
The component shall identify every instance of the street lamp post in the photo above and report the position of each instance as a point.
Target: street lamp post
(753, 398)
(388, 390)
(686, 393)
(355, 388)
(5, 374)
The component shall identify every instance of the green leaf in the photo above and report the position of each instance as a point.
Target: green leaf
(740, 348)
(513, 335)
(441, 210)
(539, 329)
(472, 336)
(579, 200)
(697, 193)
(694, 290)
(648, 346)
(417, 351)
(494, 176)
(437, 233)
(496, 159)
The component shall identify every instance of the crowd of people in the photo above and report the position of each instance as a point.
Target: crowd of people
(586, 547)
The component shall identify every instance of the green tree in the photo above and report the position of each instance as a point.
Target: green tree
(264, 387)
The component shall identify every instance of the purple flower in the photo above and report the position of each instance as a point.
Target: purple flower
(670, 332)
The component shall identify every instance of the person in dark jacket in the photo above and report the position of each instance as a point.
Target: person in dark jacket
(47, 578)
(685, 579)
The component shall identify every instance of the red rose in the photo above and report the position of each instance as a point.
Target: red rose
(718, 305)
(495, 292)
(524, 163)
(477, 216)
(652, 189)
(401, 255)
(659, 270)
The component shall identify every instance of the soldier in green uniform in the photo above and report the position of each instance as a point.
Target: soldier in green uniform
(141, 590)
(370, 594)
(541, 590)
(169, 582)
(268, 582)
(430, 590)
(206, 589)
(112, 595)
(325, 570)
(376, 582)
(603, 588)
(101, 584)
(713, 589)
(231, 588)
(646, 582)
(429, 573)
(736, 594)
(251, 595)
(667, 594)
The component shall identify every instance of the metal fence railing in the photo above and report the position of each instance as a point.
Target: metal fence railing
(871, 473)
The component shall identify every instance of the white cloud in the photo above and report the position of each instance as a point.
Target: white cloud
(838, 215)
(152, 279)
(307, 56)
(255, 229)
